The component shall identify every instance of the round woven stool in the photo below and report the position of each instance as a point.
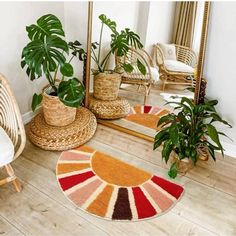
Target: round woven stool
(109, 109)
(65, 137)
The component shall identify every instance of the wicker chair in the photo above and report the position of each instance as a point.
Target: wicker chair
(169, 76)
(136, 77)
(12, 132)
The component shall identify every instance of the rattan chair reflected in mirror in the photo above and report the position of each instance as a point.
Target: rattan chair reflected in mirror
(179, 71)
(136, 77)
(12, 132)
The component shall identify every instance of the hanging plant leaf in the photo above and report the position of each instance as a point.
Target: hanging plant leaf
(71, 92)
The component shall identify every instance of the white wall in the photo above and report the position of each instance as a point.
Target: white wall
(76, 16)
(125, 14)
(160, 23)
(220, 64)
(14, 16)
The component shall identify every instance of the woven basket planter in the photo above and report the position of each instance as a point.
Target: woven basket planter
(55, 112)
(106, 86)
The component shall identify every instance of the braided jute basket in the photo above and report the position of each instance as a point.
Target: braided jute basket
(63, 138)
(109, 109)
(55, 112)
(106, 86)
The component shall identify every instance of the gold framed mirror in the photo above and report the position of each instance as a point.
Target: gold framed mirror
(186, 37)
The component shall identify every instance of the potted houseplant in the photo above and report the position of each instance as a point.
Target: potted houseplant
(45, 56)
(186, 133)
(107, 82)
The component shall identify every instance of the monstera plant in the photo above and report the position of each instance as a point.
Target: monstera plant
(46, 56)
(189, 131)
(120, 44)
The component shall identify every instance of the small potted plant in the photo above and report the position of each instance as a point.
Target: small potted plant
(186, 133)
(107, 82)
(45, 55)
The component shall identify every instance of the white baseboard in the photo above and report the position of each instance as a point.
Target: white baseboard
(230, 149)
(28, 116)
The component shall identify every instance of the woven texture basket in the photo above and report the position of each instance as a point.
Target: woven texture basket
(63, 138)
(55, 112)
(106, 86)
(109, 109)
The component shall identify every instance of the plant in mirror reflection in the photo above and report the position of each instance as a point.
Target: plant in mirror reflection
(119, 45)
(189, 130)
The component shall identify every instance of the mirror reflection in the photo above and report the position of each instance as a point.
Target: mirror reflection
(154, 48)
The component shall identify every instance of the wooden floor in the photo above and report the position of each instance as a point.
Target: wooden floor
(208, 206)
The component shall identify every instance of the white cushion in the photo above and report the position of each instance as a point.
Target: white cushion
(154, 73)
(6, 148)
(178, 66)
(168, 50)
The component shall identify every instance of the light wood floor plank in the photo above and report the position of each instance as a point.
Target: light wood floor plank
(8, 229)
(33, 213)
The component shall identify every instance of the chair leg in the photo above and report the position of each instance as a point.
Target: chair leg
(164, 84)
(146, 93)
(139, 86)
(14, 180)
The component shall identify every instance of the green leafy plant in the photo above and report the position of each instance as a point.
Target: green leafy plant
(188, 130)
(45, 55)
(120, 43)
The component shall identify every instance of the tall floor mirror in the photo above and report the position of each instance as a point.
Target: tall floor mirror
(168, 66)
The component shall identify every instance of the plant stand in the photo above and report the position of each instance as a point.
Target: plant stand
(109, 110)
(66, 137)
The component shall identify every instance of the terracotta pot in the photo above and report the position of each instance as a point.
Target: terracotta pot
(183, 165)
(55, 112)
(106, 86)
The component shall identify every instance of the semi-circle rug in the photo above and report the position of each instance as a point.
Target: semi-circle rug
(109, 188)
(147, 116)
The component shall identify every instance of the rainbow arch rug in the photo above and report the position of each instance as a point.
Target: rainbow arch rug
(109, 188)
(147, 116)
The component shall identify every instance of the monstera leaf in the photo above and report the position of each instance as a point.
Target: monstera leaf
(71, 92)
(132, 38)
(47, 25)
(119, 44)
(44, 55)
(108, 22)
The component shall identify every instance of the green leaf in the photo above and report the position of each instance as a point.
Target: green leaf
(166, 119)
(36, 101)
(141, 67)
(173, 171)
(47, 25)
(108, 22)
(45, 55)
(174, 134)
(213, 134)
(67, 70)
(128, 67)
(167, 148)
(71, 92)
(216, 117)
(133, 39)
